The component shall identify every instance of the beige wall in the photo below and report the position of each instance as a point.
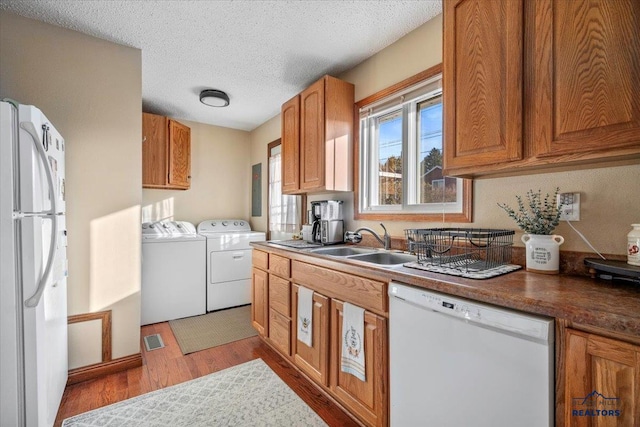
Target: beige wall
(609, 194)
(220, 179)
(91, 90)
(415, 52)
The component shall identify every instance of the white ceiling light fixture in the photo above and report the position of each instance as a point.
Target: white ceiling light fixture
(214, 98)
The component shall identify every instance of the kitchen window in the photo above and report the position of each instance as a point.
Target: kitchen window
(399, 159)
(284, 215)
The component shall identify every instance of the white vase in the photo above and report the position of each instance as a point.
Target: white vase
(543, 252)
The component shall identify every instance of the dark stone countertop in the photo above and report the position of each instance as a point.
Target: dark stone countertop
(581, 300)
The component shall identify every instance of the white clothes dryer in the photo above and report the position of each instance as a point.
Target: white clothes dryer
(173, 271)
(228, 261)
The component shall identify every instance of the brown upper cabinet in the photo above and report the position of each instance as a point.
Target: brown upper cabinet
(317, 138)
(534, 84)
(166, 153)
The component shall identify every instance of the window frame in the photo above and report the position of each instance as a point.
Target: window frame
(465, 215)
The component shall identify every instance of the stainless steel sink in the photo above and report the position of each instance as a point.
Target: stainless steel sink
(386, 259)
(342, 251)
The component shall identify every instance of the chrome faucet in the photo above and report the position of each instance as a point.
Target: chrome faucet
(356, 237)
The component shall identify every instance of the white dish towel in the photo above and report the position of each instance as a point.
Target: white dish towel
(305, 316)
(353, 341)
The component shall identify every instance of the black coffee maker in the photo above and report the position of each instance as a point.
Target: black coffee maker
(314, 217)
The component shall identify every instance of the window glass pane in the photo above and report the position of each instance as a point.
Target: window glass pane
(284, 210)
(389, 129)
(401, 159)
(432, 186)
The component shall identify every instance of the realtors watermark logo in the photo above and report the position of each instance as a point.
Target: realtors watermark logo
(596, 404)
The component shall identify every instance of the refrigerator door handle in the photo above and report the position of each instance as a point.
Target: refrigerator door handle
(35, 298)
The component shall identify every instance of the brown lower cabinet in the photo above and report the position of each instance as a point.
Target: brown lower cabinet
(314, 360)
(601, 374)
(260, 301)
(367, 399)
(274, 315)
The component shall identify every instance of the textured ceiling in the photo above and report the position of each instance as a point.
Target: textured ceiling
(260, 52)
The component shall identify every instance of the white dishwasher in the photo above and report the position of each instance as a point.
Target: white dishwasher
(456, 362)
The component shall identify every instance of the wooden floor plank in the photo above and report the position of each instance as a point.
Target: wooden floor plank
(168, 366)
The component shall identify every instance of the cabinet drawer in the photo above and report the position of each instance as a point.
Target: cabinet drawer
(279, 295)
(368, 294)
(280, 266)
(260, 259)
(280, 332)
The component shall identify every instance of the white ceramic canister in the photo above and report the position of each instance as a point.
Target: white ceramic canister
(633, 245)
(543, 252)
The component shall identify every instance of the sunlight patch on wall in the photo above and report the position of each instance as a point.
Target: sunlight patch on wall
(159, 210)
(114, 258)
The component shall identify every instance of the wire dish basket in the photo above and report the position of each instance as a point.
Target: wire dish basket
(464, 249)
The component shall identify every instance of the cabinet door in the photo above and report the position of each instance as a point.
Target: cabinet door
(312, 133)
(179, 155)
(313, 360)
(260, 301)
(154, 150)
(482, 82)
(291, 145)
(368, 399)
(601, 374)
(586, 78)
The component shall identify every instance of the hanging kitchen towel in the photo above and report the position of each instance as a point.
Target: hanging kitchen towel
(305, 316)
(353, 341)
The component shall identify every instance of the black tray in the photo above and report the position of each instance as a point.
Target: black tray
(614, 270)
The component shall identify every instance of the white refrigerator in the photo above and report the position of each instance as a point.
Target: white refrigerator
(33, 268)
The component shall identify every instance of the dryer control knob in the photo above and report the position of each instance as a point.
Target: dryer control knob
(235, 223)
(213, 224)
(224, 223)
(242, 223)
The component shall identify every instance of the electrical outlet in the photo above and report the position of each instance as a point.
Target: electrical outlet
(570, 206)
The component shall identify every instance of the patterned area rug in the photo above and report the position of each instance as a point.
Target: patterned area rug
(250, 394)
(213, 329)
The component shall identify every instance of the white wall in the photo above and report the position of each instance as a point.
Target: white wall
(609, 194)
(91, 90)
(220, 179)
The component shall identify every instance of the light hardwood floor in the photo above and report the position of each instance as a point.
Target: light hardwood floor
(168, 366)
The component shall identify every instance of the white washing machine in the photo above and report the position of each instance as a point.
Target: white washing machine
(173, 271)
(228, 261)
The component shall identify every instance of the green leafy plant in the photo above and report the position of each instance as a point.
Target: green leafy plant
(538, 215)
